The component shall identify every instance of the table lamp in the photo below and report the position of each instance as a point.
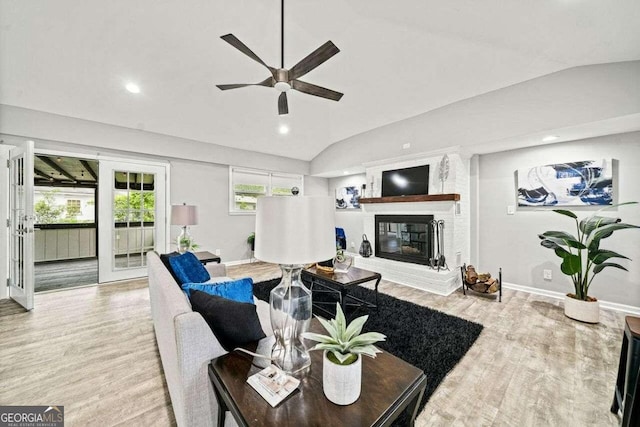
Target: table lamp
(184, 215)
(293, 231)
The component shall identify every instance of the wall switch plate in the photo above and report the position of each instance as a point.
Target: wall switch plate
(218, 252)
(511, 210)
(546, 274)
(353, 245)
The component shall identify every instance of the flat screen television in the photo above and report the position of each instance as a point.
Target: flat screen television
(406, 182)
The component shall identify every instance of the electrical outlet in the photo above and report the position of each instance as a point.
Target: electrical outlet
(218, 252)
(546, 274)
(511, 210)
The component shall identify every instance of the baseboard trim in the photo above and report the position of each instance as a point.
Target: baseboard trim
(559, 295)
(239, 262)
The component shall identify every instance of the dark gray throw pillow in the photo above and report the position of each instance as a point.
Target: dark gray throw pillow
(233, 323)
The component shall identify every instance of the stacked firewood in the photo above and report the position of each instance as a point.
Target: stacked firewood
(480, 282)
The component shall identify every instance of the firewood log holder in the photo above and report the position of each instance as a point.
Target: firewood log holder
(467, 287)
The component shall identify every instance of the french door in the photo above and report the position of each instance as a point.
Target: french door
(132, 217)
(21, 278)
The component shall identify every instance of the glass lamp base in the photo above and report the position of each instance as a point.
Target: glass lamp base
(290, 303)
(184, 241)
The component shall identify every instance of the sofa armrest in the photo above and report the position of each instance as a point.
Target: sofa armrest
(216, 270)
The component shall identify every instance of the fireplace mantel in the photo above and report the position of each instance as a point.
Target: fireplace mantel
(453, 197)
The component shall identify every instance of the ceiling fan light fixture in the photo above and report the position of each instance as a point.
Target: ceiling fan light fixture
(282, 86)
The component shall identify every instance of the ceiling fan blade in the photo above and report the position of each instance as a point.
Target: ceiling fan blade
(316, 90)
(283, 106)
(233, 41)
(315, 58)
(268, 82)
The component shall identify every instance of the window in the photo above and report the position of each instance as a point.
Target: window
(64, 205)
(246, 185)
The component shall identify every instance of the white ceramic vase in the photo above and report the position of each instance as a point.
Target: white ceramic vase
(584, 311)
(341, 383)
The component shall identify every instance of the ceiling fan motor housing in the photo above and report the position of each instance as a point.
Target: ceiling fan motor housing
(282, 80)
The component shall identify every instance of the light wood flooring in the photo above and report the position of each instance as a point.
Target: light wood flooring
(93, 350)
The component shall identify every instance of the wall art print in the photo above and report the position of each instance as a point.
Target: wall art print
(582, 183)
(348, 198)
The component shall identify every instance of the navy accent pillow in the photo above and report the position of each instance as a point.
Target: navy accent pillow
(165, 260)
(233, 323)
(240, 290)
(188, 269)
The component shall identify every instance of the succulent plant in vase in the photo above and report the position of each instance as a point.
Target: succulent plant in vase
(583, 258)
(342, 361)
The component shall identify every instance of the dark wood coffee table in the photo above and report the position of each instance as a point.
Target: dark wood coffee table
(389, 385)
(340, 284)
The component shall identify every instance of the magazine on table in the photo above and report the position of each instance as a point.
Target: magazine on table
(273, 384)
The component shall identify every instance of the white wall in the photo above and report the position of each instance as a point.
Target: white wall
(351, 220)
(206, 185)
(511, 242)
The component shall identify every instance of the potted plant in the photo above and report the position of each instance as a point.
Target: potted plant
(342, 359)
(252, 241)
(583, 258)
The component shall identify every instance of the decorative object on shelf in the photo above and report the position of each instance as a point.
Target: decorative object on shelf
(294, 231)
(583, 258)
(348, 198)
(283, 79)
(365, 247)
(582, 183)
(443, 171)
(480, 282)
(342, 359)
(184, 215)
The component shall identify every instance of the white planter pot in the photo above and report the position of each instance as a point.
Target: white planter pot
(584, 311)
(341, 383)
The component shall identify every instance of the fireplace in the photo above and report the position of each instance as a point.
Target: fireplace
(407, 238)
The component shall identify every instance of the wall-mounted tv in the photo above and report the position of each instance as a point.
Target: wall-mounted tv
(406, 182)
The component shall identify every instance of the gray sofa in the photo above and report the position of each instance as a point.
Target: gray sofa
(187, 345)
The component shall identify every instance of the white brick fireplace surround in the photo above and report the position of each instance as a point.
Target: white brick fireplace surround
(456, 229)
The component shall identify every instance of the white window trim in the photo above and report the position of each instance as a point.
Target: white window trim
(270, 174)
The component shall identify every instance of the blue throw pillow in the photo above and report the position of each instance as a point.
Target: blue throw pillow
(188, 269)
(240, 290)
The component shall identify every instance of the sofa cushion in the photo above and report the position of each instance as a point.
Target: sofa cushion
(188, 269)
(233, 323)
(240, 290)
(165, 260)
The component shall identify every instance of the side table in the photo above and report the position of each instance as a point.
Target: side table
(205, 257)
(625, 395)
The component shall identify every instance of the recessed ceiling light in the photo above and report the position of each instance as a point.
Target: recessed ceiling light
(346, 172)
(283, 129)
(549, 138)
(132, 87)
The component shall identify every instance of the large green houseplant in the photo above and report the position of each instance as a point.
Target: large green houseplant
(342, 361)
(581, 254)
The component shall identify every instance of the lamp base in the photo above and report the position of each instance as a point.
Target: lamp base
(184, 240)
(290, 303)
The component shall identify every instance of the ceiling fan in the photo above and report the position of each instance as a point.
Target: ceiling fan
(284, 79)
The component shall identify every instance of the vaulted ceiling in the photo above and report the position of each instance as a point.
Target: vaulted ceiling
(397, 60)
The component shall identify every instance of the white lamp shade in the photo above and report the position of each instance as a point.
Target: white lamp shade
(295, 229)
(184, 215)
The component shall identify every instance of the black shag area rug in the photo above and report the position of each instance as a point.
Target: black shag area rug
(428, 339)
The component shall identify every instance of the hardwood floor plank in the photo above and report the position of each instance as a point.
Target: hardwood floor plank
(93, 350)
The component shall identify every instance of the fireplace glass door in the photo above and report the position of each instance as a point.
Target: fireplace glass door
(407, 238)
